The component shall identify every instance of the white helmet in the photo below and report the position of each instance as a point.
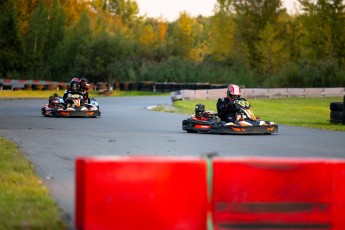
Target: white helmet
(233, 92)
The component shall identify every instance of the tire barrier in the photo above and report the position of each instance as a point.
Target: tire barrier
(241, 193)
(148, 86)
(13, 84)
(337, 114)
(182, 91)
(141, 193)
(278, 194)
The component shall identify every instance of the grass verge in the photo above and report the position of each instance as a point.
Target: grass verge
(304, 112)
(24, 201)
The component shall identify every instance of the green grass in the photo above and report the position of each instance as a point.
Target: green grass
(24, 201)
(304, 112)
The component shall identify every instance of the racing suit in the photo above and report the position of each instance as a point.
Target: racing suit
(67, 97)
(226, 109)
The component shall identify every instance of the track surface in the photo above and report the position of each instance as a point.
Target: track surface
(126, 127)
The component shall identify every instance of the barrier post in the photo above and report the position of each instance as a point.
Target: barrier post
(278, 193)
(136, 193)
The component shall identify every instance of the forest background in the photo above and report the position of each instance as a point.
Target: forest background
(253, 43)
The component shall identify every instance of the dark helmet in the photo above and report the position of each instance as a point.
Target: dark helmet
(84, 84)
(233, 92)
(74, 85)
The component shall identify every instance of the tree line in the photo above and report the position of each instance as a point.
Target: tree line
(254, 43)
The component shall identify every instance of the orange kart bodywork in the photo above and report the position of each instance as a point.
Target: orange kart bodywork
(194, 125)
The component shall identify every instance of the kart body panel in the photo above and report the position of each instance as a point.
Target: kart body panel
(194, 125)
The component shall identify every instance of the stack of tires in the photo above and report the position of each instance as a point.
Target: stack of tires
(338, 112)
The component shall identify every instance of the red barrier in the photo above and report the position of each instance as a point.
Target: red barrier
(278, 194)
(141, 193)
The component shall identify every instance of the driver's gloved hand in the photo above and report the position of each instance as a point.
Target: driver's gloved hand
(237, 107)
(230, 119)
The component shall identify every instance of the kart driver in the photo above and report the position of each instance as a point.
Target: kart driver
(84, 87)
(53, 100)
(73, 87)
(225, 106)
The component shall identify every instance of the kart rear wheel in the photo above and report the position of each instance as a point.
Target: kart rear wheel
(337, 106)
(190, 131)
(336, 116)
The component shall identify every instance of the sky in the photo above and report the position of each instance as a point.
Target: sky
(170, 9)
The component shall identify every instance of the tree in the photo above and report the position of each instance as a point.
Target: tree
(252, 16)
(147, 36)
(222, 32)
(324, 38)
(24, 10)
(272, 55)
(324, 26)
(162, 32)
(45, 31)
(10, 42)
(182, 35)
(71, 48)
(126, 9)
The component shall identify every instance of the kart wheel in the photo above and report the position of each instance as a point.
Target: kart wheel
(43, 112)
(190, 131)
(337, 106)
(336, 116)
(337, 112)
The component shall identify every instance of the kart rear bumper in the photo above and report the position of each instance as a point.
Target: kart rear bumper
(64, 113)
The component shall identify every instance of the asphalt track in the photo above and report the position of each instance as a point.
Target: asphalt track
(127, 128)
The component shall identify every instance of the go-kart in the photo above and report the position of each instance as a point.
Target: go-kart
(72, 107)
(245, 121)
